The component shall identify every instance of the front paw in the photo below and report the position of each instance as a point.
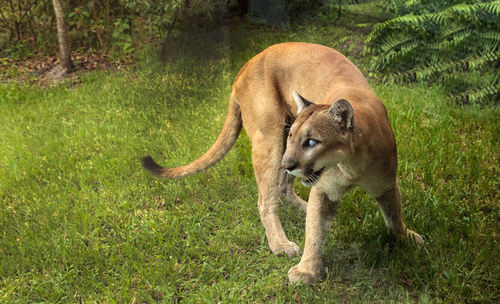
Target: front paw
(414, 237)
(297, 275)
(289, 248)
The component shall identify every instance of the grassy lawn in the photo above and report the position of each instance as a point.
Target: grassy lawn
(80, 221)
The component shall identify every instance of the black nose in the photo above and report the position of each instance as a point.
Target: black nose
(288, 166)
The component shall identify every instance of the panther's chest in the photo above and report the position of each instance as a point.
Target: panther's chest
(337, 180)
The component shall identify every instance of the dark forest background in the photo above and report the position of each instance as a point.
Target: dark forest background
(451, 42)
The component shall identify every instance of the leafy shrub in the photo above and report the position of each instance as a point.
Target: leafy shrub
(108, 25)
(447, 42)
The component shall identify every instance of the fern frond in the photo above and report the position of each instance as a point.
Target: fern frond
(468, 10)
(451, 40)
(491, 35)
(403, 21)
(459, 41)
(474, 62)
(391, 44)
(471, 62)
(477, 94)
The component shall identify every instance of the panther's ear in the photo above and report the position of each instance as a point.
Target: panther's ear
(341, 111)
(301, 102)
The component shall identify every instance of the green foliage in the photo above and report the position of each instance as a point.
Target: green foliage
(20, 22)
(446, 41)
(117, 26)
(158, 15)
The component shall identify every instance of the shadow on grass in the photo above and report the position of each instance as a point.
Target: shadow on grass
(377, 264)
(236, 41)
(197, 47)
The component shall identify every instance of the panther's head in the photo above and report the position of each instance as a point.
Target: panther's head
(318, 139)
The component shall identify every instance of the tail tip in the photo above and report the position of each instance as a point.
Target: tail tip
(146, 160)
(149, 164)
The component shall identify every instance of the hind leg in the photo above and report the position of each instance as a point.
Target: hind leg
(266, 158)
(390, 205)
(287, 193)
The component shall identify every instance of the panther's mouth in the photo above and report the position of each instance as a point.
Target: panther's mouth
(312, 178)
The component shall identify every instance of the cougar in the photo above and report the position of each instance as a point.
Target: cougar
(309, 113)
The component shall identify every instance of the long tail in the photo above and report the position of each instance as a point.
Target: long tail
(224, 143)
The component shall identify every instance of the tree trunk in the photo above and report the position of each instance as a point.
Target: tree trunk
(339, 11)
(62, 36)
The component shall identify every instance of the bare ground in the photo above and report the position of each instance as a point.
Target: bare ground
(45, 70)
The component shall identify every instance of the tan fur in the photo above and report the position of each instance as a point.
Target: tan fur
(361, 151)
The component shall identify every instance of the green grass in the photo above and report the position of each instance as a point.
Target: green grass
(82, 222)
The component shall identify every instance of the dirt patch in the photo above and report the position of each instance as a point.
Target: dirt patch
(45, 70)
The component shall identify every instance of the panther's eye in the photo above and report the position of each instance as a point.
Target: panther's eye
(289, 135)
(311, 143)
